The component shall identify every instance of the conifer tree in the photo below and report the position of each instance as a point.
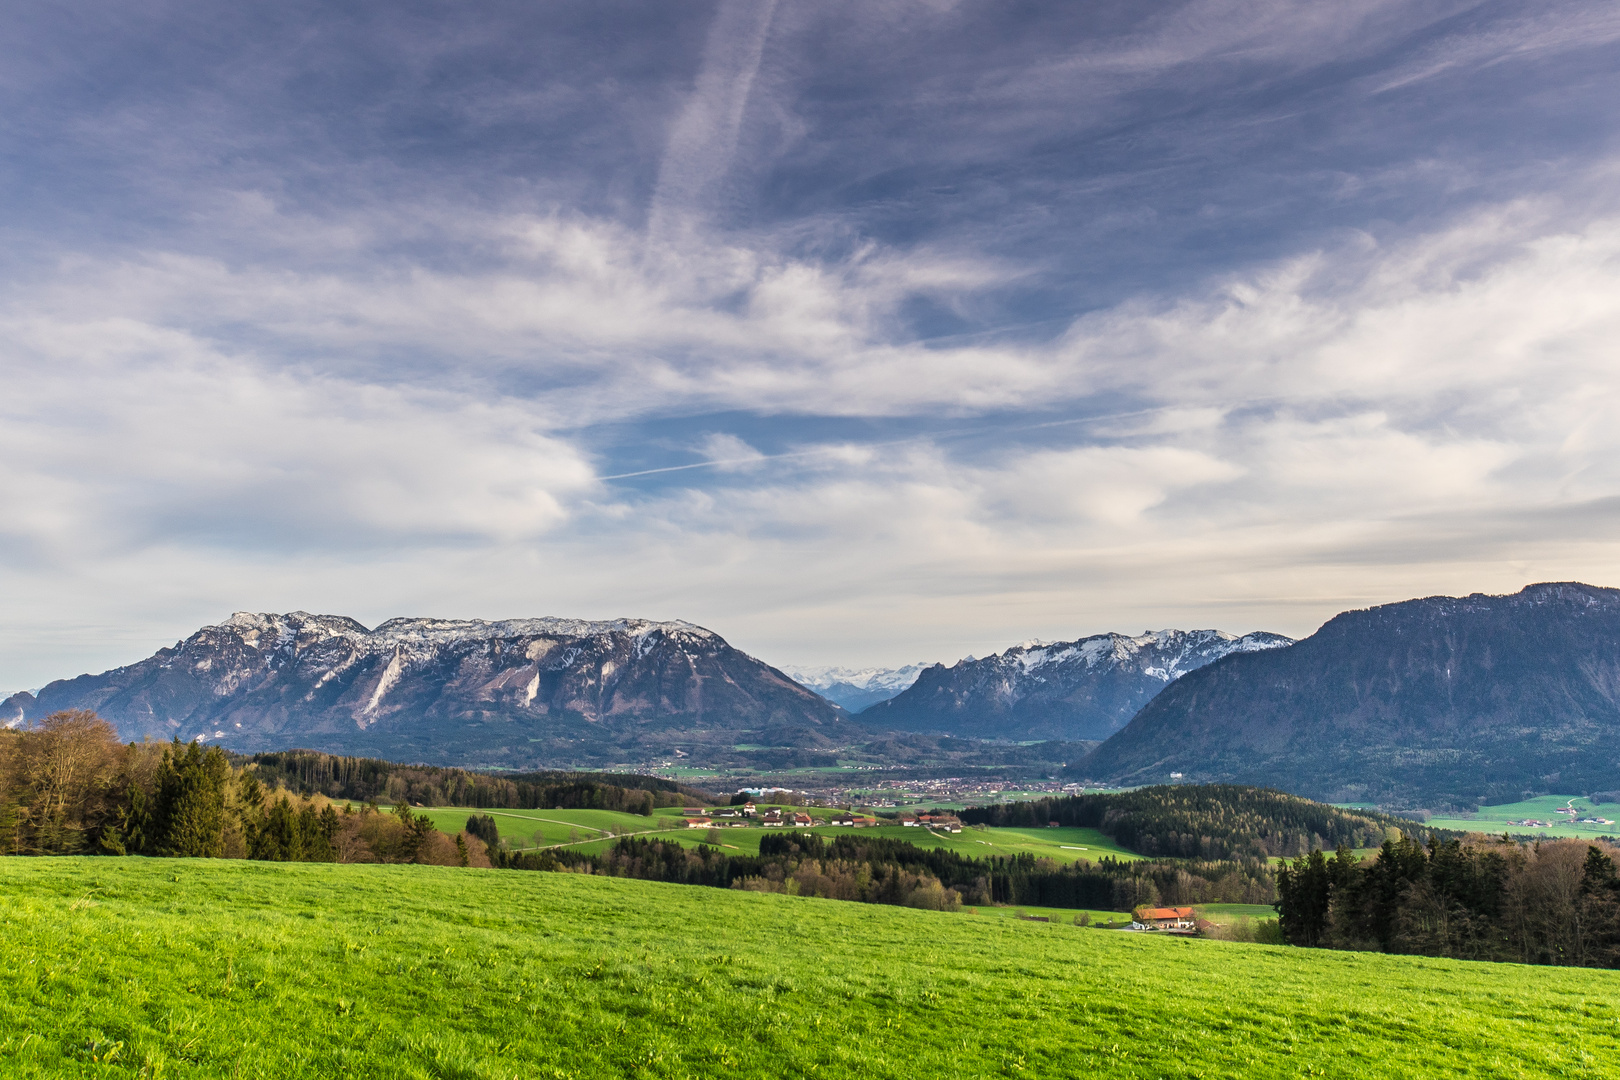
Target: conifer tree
(317, 843)
(280, 838)
(189, 818)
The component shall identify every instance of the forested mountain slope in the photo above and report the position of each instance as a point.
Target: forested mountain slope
(1439, 701)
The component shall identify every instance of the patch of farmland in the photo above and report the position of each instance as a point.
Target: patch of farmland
(1548, 811)
(1066, 845)
(537, 828)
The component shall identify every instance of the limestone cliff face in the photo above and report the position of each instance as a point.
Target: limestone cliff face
(1437, 701)
(519, 692)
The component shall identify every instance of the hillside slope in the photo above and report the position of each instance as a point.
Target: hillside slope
(514, 693)
(409, 971)
(1436, 701)
(1076, 690)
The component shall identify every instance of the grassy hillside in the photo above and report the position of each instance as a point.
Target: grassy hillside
(179, 968)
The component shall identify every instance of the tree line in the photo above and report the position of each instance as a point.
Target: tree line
(68, 786)
(1554, 902)
(889, 871)
(1201, 821)
(368, 779)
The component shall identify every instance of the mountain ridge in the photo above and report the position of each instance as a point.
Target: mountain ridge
(507, 693)
(1085, 689)
(1440, 700)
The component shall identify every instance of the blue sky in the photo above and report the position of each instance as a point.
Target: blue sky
(859, 332)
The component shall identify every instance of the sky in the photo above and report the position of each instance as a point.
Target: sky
(860, 332)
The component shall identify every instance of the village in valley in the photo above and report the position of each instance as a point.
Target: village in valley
(701, 817)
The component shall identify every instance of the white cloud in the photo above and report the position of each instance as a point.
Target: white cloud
(1345, 427)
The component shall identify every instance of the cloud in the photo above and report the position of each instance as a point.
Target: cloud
(858, 332)
(703, 138)
(120, 435)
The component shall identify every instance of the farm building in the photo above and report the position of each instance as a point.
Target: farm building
(698, 823)
(1166, 918)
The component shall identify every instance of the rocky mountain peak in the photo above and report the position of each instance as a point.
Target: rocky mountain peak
(467, 691)
(1076, 690)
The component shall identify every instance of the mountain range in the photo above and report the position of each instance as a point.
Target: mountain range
(1442, 701)
(855, 689)
(1434, 702)
(516, 693)
(1069, 690)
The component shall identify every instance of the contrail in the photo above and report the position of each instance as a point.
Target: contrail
(927, 437)
(703, 139)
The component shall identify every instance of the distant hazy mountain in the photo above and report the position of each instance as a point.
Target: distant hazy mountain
(1428, 702)
(856, 688)
(1075, 690)
(521, 692)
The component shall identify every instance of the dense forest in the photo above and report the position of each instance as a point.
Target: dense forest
(880, 870)
(368, 779)
(1202, 821)
(1554, 902)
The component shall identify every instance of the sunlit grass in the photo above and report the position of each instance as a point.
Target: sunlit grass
(130, 967)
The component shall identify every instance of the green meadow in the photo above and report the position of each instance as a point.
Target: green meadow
(539, 828)
(203, 968)
(1224, 913)
(589, 832)
(1494, 819)
(1065, 845)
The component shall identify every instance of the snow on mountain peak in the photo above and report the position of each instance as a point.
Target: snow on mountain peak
(280, 631)
(872, 678)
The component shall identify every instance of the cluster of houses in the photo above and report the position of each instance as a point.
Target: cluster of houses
(699, 817)
(1533, 823)
(943, 822)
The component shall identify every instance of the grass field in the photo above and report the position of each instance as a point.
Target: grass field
(1494, 819)
(588, 830)
(1057, 915)
(169, 968)
(1065, 845)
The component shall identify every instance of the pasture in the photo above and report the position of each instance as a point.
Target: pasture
(588, 831)
(128, 967)
(1494, 819)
